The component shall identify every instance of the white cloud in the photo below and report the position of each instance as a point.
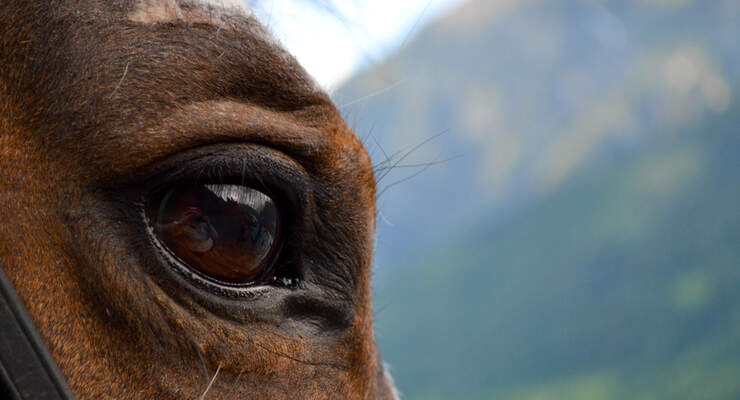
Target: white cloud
(332, 47)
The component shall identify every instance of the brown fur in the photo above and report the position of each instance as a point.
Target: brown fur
(94, 106)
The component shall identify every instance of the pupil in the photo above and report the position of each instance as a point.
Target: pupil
(224, 232)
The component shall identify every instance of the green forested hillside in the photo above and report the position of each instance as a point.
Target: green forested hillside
(527, 94)
(621, 284)
(584, 240)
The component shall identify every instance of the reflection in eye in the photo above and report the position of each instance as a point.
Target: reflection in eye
(225, 232)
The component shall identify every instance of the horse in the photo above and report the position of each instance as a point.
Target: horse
(184, 212)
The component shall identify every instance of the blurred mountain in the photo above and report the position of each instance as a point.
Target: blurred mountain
(524, 94)
(620, 284)
(577, 234)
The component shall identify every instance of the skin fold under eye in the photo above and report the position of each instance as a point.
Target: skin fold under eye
(226, 233)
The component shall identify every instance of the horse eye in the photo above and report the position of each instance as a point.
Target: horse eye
(227, 233)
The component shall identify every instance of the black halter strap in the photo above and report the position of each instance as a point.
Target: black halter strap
(27, 370)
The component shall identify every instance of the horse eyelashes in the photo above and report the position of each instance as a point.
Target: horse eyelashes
(227, 234)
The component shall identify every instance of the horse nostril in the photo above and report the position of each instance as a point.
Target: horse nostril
(226, 233)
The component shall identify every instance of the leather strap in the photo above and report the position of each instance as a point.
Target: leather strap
(27, 370)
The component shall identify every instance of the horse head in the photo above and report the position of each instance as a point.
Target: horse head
(183, 211)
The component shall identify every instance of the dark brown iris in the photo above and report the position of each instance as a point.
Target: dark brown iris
(224, 232)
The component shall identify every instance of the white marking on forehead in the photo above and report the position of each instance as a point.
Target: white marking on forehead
(222, 13)
(192, 11)
(234, 5)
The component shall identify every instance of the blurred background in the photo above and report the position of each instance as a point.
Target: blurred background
(559, 205)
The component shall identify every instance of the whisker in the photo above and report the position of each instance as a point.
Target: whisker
(415, 174)
(409, 152)
(424, 167)
(298, 360)
(421, 164)
(233, 386)
(210, 384)
(382, 216)
(383, 165)
(371, 95)
(377, 143)
(120, 82)
(416, 23)
(204, 367)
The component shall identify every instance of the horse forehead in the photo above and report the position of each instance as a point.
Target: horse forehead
(223, 14)
(207, 11)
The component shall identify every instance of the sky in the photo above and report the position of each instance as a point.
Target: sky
(332, 47)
